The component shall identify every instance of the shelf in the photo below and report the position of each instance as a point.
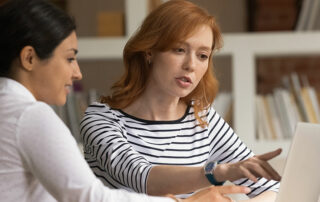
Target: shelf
(258, 44)
(272, 43)
(94, 48)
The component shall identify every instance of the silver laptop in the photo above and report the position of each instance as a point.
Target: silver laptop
(301, 179)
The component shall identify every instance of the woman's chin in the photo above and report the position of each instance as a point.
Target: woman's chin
(61, 102)
(56, 102)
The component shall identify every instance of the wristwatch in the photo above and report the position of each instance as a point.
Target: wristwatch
(208, 171)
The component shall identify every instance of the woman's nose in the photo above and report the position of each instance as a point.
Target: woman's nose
(190, 62)
(77, 75)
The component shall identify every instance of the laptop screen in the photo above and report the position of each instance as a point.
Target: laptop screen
(301, 178)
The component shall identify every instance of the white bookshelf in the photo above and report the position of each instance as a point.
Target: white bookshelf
(242, 48)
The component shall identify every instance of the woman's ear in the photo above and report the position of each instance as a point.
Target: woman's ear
(28, 58)
(149, 56)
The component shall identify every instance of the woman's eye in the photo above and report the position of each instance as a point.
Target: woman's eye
(179, 50)
(203, 56)
(71, 59)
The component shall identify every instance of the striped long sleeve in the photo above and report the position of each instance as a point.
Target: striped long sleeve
(121, 148)
(110, 155)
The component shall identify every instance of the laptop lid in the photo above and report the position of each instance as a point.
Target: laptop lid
(301, 178)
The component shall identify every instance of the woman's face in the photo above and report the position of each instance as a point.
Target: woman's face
(52, 78)
(177, 72)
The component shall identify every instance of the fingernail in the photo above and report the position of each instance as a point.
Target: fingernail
(247, 189)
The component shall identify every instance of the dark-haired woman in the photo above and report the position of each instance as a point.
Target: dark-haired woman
(39, 159)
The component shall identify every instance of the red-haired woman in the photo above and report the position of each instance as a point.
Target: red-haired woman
(158, 133)
(39, 158)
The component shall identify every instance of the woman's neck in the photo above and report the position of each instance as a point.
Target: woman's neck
(157, 108)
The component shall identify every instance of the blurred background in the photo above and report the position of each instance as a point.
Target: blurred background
(107, 18)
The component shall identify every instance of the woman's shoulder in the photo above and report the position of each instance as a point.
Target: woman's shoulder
(98, 109)
(40, 109)
(38, 114)
(211, 110)
(99, 115)
(98, 106)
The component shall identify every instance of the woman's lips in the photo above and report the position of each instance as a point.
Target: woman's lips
(184, 81)
(68, 88)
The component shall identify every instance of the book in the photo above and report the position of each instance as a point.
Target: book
(269, 117)
(277, 127)
(310, 101)
(296, 90)
(304, 16)
(283, 105)
(265, 131)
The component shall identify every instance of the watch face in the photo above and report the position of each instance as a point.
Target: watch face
(209, 167)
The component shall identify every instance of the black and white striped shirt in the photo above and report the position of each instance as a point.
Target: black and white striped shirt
(121, 149)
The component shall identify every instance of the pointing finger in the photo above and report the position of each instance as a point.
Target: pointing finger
(270, 155)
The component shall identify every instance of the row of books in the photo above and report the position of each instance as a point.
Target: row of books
(308, 15)
(72, 112)
(277, 113)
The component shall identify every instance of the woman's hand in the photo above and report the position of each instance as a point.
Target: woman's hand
(216, 193)
(252, 168)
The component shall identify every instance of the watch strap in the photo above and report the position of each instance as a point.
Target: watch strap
(213, 180)
(209, 173)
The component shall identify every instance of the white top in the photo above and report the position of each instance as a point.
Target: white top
(121, 149)
(39, 158)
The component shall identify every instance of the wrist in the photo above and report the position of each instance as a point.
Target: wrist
(209, 169)
(220, 172)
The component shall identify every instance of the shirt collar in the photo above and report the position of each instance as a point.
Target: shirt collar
(11, 86)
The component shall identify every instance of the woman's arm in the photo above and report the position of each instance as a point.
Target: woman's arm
(175, 180)
(51, 154)
(181, 179)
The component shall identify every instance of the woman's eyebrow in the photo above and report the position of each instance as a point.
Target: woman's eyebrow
(74, 50)
(206, 48)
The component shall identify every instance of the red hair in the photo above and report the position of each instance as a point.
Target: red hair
(170, 23)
